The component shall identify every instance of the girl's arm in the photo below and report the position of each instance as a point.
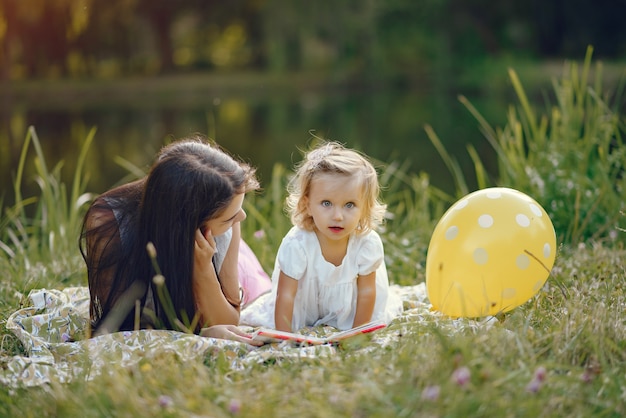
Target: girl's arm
(365, 299)
(212, 304)
(285, 296)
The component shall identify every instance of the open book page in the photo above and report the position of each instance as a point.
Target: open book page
(271, 335)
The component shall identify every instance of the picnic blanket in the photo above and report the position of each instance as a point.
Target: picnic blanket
(52, 328)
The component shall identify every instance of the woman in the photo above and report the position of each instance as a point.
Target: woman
(162, 251)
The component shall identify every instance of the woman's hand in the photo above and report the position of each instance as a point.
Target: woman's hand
(229, 332)
(205, 245)
(204, 249)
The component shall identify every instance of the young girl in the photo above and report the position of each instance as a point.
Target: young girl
(185, 213)
(330, 267)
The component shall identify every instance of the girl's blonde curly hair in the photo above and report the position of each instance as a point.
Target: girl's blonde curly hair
(333, 157)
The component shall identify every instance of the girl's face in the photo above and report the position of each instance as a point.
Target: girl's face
(232, 214)
(335, 202)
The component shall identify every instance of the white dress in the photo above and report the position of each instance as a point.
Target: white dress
(326, 293)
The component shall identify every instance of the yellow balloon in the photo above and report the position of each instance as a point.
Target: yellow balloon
(489, 253)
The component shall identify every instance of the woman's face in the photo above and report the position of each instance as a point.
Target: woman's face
(232, 214)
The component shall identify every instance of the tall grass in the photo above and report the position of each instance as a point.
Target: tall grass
(571, 159)
(267, 222)
(39, 234)
(45, 227)
(561, 354)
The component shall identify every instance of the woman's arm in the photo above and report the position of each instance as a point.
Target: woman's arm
(211, 302)
(286, 294)
(365, 299)
(229, 272)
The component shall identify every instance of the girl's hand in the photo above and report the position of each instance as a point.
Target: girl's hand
(229, 332)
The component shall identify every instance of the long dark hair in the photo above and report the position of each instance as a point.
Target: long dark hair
(189, 183)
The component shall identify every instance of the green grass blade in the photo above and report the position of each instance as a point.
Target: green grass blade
(17, 185)
(521, 95)
(130, 167)
(79, 177)
(479, 168)
(449, 161)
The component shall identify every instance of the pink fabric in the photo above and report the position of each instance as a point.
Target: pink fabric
(252, 278)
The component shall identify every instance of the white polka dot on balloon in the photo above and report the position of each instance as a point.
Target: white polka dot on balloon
(547, 250)
(522, 220)
(480, 256)
(536, 210)
(461, 204)
(452, 232)
(522, 261)
(485, 221)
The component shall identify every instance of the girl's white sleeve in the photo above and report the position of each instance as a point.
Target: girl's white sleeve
(292, 258)
(371, 254)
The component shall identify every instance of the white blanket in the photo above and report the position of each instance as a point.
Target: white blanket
(53, 324)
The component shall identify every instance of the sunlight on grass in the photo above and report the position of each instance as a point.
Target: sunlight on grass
(563, 353)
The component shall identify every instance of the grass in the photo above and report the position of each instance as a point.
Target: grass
(576, 336)
(571, 159)
(561, 354)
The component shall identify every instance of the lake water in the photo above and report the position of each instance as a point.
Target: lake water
(264, 129)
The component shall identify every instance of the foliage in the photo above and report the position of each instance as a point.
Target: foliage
(560, 354)
(267, 222)
(571, 161)
(88, 38)
(413, 208)
(39, 235)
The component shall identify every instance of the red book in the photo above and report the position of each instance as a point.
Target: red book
(268, 335)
